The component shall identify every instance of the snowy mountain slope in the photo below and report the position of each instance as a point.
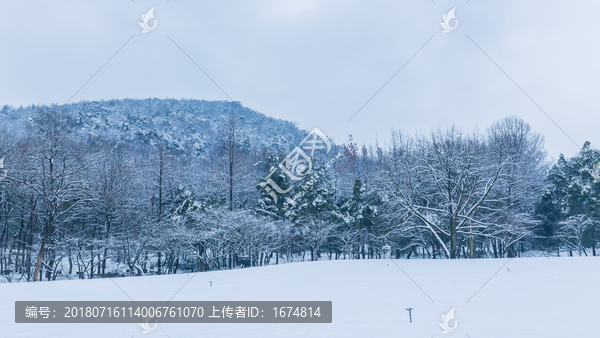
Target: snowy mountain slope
(183, 124)
(528, 297)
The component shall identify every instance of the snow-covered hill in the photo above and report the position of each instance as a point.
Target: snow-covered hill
(184, 124)
(522, 297)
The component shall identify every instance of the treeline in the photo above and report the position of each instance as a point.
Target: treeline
(95, 206)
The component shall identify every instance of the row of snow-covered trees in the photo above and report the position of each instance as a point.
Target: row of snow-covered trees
(94, 206)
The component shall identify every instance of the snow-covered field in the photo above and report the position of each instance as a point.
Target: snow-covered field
(528, 297)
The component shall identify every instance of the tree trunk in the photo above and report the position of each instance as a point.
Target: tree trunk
(453, 241)
(231, 181)
(38, 264)
(471, 248)
(105, 249)
(160, 179)
(158, 266)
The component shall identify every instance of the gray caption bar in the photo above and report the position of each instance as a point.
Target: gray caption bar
(173, 312)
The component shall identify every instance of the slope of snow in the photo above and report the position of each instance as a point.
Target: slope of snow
(182, 124)
(528, 297)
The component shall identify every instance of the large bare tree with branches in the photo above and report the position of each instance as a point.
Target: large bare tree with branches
(444, 185)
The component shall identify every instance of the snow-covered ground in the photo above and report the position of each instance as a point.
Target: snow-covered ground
(528, 297)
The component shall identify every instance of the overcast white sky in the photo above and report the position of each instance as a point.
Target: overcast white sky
(317, 62)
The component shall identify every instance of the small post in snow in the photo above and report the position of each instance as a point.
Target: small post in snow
(210, 283)
(409, 313)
